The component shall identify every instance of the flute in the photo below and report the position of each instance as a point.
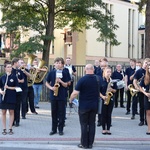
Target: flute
(4, 86)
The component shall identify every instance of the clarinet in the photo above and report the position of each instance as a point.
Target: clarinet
(4, 86)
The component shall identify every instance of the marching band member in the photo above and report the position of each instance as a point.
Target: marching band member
(57, 81)
(73, 73)
(96, 66)
(8, 83)
(119, 74)
(99, 72)
(107, 88)
(129, 74)
(137, 77)
(135, 98)
(28, 93)
(145, 88)
(37, 87)
(19, 74)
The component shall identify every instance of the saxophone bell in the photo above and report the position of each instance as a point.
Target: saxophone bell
(132, 90)
(56, 85)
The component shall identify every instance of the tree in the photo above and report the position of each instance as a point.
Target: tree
(43, 16)
(147, 26)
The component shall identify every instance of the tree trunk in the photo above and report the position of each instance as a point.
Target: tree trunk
(49, 31)
(147, 31)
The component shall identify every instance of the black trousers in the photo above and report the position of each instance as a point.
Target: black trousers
(134, 104)
(128, 100)
(24, 102)
(106, 115)
(17, 108)
(58, 109)
(141, 107)
(87, 121)
(30, 99)
(70, 88)
(121, 91)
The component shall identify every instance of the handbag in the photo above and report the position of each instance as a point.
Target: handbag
(99, 109)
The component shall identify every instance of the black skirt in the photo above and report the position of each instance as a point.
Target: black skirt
(7, 106)
(146, 103)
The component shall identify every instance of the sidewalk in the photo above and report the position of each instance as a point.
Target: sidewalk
(36, 128)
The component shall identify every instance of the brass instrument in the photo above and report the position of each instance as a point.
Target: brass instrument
(41, 74)
(33, 71)
(31, 58)
(108, 94)
(22, 68)
(132, 90)
(56, 85)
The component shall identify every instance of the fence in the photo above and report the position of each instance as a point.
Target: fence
(45, 91)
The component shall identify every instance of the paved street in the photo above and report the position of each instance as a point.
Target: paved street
(33, 132)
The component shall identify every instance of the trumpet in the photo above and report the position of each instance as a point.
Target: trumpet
(22, 68)
(56, 85)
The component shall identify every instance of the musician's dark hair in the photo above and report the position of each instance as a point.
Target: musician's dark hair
(106, 69)
(103, 59)
(147, 76)
(133, 59)
(59, 59)
(7, 62)
(14, 60)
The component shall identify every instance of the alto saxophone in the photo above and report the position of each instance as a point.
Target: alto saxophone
(108, 94)
(56, 85)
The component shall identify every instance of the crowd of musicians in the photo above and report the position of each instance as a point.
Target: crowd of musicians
(98, 91)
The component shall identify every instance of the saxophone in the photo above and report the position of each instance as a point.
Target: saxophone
(56, 85)
(108, 94)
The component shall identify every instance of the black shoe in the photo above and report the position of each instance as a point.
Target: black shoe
(23, 117)
(61, 133)
(52, 132)
(127, 113)
(133, 117)
(99, 124)
(141, 123)
(81, 146)
(148, 133)
(17, 125)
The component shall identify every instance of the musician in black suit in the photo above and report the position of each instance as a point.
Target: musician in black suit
(129, 74)
(137, 77)
(57, 81)
(19, 74)
(119, 74)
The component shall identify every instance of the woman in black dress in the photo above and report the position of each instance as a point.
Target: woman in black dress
(145, 88)
(8, 83)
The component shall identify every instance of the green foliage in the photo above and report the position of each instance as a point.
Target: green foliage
(141, 4)
(39, 16)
